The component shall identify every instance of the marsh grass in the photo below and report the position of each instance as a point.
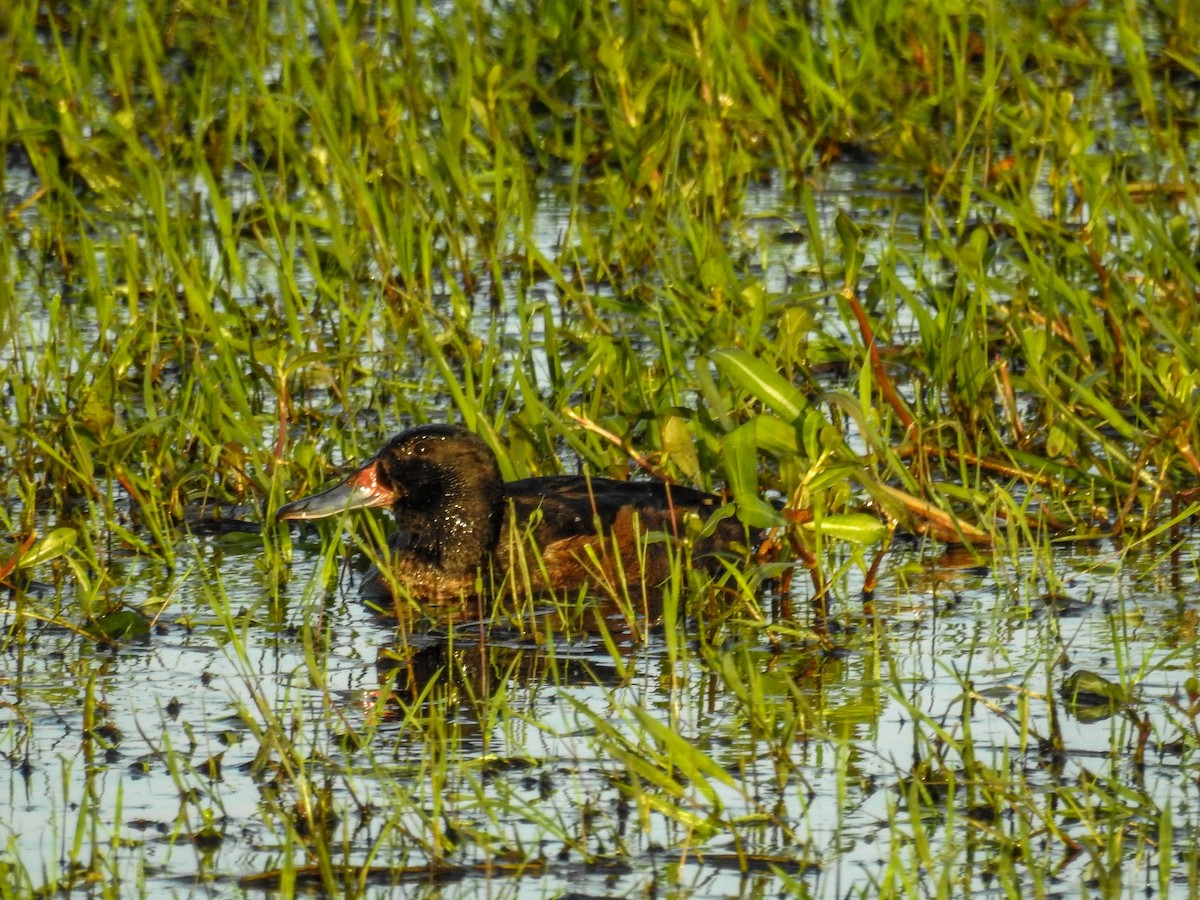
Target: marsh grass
(923, 276)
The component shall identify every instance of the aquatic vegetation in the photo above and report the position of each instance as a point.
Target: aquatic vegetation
(916, 285)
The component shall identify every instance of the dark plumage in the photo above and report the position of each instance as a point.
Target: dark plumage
(457, 516)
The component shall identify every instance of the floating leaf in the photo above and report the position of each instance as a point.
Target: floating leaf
(122, 625)
(1092, 697)
(211, 767)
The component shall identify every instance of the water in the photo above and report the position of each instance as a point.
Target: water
(520, 749)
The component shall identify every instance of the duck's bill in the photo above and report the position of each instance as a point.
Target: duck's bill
(360, 491)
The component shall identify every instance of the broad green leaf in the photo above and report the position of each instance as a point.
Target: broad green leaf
(52, 546)
(831, 474)
(776, 436)
(680, 448)
(714, 400)
(857, 528)
(720, 514)
(753, 375)
(741, 470)
(741, 461)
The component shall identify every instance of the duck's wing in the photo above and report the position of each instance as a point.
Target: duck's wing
(595, 528)
(571, 506)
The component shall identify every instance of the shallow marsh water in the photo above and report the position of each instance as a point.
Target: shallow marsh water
(520, 747)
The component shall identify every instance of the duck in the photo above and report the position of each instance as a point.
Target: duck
(460, 525)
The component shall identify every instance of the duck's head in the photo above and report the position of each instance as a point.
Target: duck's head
(441, 481)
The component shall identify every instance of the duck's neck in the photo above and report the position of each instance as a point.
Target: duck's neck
(453, 530)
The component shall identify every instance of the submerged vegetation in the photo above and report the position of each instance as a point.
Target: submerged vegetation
(915, 283)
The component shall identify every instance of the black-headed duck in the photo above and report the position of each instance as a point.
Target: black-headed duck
(457, 516)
